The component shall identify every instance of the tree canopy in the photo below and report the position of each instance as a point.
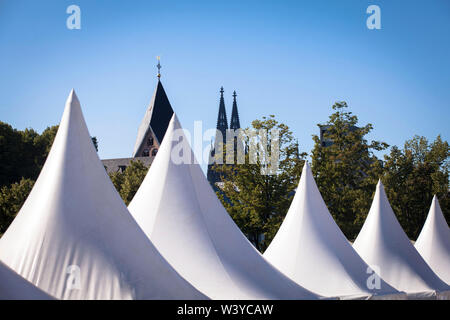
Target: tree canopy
(22, 156)
(346, 169)
(412, 176)
(127, 182)
(11, 200)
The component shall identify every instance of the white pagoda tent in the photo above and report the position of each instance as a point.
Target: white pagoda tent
(74, 237)
(383, 243)
(433, 242)
(310, 248)
(14, 287)
(178, 210)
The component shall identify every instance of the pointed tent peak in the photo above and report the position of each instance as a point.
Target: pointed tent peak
(380, 194)
(435, 202)
(307, 175)
(309, 244)
(383, 243)
(306, 166)
(435, 213)
(433, 242)
(380, 184)
(72, 99)
(434, 205)
(174, 124)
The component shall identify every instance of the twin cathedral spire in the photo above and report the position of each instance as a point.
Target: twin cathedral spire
(222, 122)
(221, 135)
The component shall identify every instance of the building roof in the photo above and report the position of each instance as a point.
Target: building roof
(114, 165)
(156, 118)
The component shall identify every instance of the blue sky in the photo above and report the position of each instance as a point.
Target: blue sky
(293, 59)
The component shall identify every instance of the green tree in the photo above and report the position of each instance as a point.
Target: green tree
(23, 153)
(11, 200)
(16, 154)
(412, 176)
(346, 169)
(42, 144)
(258, 202)
(128, 182)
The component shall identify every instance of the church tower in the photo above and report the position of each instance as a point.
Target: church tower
(222, 128)
(222, 123)
(235, 124)
(151, 131)
(155, 122)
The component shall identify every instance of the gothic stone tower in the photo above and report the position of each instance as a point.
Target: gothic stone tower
(221, 137)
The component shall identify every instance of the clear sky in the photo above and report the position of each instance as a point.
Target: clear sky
(293, 59)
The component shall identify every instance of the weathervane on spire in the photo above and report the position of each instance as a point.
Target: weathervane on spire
(159, 67)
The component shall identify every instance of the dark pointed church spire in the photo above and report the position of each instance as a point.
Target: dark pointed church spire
(155, 122)
(222, 123)
(235, 124)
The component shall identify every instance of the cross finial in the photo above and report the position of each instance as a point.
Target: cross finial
(221, 91)
(234, 94)
(159, 67)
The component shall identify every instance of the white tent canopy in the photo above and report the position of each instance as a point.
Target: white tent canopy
(311, 249)
(383, 244)
(178, 210)
(433, 242)
(14, 287)
(74, 237)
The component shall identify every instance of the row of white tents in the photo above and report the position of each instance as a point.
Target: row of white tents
(74, 238)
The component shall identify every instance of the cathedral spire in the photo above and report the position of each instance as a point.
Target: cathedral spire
(222, 123)
(235, 124)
